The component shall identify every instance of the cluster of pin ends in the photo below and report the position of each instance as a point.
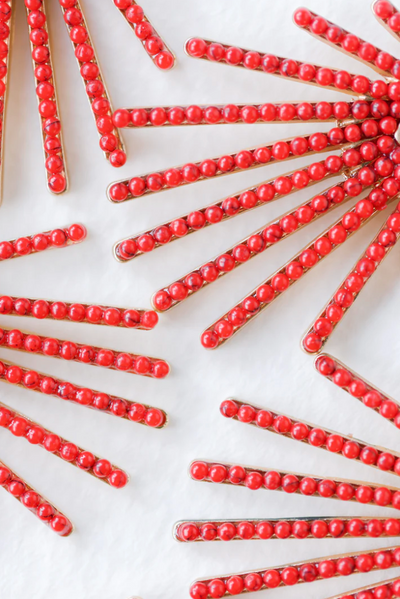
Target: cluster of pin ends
(361, 147)
(13, 374)
(110, 140)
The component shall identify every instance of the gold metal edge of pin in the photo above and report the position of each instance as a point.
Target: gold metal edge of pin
(311, 425)
(311, 326)
(385, 395)
(385, 74)
(290, 284)
(222, 274)
(100, 77)
(166, 47)
(6, 94)
(220, 521)
(34, 423)
(42, 497)
(42, 374)
(224, 218)
(264, 470)
(51, 318)
(58, 357)
(336, 147)
(306, 562)
(260, 70)
(382, 22)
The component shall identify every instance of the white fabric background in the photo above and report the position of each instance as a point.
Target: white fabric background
(122, 545)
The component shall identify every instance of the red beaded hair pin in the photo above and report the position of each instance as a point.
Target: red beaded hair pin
(330, 566)
(383, 242)
(22, 426)
(305, 432)
(151, 41)
(50, 122)
(46, 384)
(358, 387)
(35, 503)
(110, 139)
(292, 482)
(6, 24)
(190, 531)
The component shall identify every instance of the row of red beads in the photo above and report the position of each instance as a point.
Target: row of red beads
(269, 235)
(344, 297)
(283, 529)
(46, 94)
(122, 408)
(286, 67)
(34, 502)
(316, 437)
(270, 289)
(227, 208)
(388, 13)
(139, 319)
(20, 426)
(358, 388)
(297, 573)
(5, 16)
(246, 159)
(346, 41)
(292, 483)
(67, 350)
(42, 241)
(249, 114)
(145, 32)
(110, 141)
(379, 591)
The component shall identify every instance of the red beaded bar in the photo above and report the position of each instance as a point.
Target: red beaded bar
(96, 400)
(154, 45)
(333, 237)
(35, 503)
(295, 573)
(58, 238)
(336, 138)
(292, 482)
(189, 531)
(299, 430)
(328, 319)
(68, 350)
(340, 39)
(256, 243)
(50, 123)
(219, 114)
(381, 590)
(6, 24)
(22, 426)
(110, 139)
(285, 67)
(388, 16)
(358, 387)
(247, 199)
(92, 314)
